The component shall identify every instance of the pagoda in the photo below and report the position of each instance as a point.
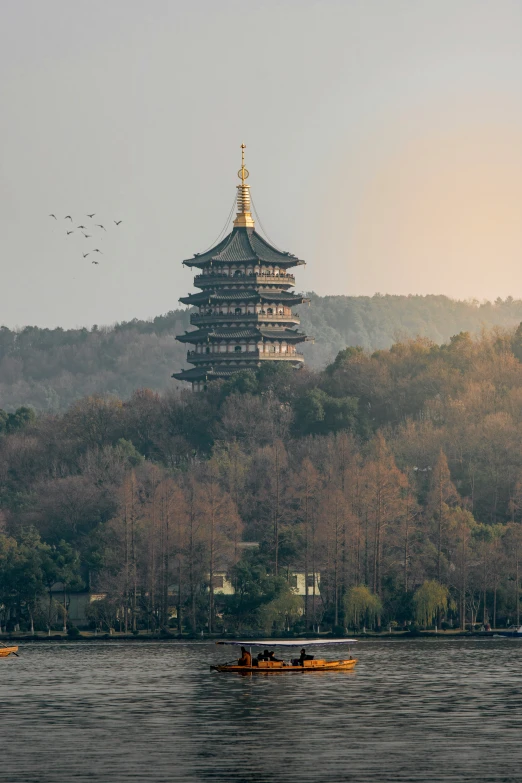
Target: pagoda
(244, 310)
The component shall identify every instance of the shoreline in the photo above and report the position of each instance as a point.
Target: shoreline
(158, 637)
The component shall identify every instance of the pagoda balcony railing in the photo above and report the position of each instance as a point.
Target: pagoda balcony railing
(255, 279)
(210, 358)
(199, 319)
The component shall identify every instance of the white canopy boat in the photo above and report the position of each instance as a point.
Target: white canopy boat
(248, 664)
(512, 631)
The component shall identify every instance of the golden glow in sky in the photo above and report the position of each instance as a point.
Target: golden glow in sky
(439, 210)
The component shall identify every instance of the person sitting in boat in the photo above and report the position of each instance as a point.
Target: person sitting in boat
(304, 657)
(271, 657)
(246, 658)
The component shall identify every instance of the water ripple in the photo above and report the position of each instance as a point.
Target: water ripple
(425, 710)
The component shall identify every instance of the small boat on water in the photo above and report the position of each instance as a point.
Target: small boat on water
(512, 631)
(5, 651)
(304, 664)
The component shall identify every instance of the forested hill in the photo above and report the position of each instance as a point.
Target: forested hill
(50, 368)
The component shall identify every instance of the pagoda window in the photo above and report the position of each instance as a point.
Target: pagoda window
(237, 348)
(238, 273)
(280, 312)
(238, 311)
(270, 311)
(207, 349)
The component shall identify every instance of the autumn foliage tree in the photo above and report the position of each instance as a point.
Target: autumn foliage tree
(386, 471)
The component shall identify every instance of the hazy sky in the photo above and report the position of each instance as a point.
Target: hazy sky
(384, 143)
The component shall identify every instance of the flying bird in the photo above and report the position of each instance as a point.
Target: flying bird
(54, 216)
(85, 255)
(87, 236)
(95, 262)
(70, 232)
(97, 251)
(118, 222)
(99, 225)
(85, 227)
(91, 216)
(68, 217)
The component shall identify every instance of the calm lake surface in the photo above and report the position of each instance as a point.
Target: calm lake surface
(106, 712)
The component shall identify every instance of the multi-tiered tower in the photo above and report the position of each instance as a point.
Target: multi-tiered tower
(244, 309)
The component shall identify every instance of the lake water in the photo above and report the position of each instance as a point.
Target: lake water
(106, 712)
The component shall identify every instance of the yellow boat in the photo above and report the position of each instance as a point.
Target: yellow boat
(305, 664)
(5, 651)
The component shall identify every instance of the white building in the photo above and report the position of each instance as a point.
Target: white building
(296, 579)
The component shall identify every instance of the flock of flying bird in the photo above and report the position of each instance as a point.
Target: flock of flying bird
(84, 229)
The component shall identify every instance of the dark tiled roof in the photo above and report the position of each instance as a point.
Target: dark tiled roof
(281, 296)
(223, 295)
(198, 335)
(243, 245)
(246, 295)
(234, 334)
(205, 373)
(282, 334)
(202, 335)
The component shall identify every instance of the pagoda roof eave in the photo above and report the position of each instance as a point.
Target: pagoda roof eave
(244, 245)
(199, 264)
(202, 297)
(211, 334)
(204, 373)
(279, 334)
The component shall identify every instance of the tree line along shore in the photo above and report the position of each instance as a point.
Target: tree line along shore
(384, 491)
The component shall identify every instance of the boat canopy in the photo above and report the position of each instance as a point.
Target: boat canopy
(299, 643)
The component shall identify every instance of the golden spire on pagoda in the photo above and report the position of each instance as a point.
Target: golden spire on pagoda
(243, 217)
